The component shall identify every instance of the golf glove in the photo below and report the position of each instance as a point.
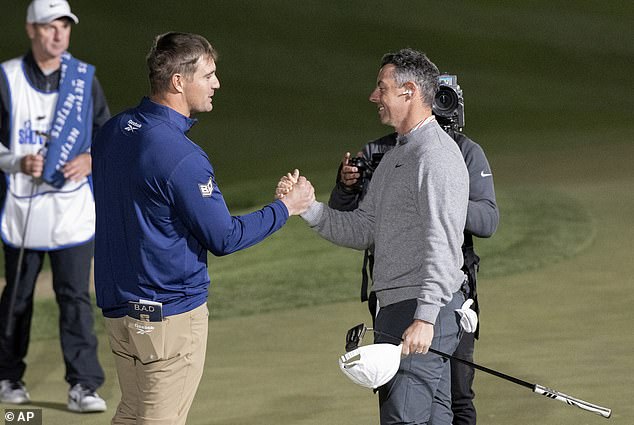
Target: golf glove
(468, 317)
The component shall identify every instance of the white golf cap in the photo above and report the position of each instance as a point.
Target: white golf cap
(371, 365)
(46, 11)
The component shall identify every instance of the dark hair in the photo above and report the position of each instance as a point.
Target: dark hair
(415, 66)
(176, 53)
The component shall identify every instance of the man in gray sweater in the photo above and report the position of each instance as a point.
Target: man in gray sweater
(413, 217)
(482, 221)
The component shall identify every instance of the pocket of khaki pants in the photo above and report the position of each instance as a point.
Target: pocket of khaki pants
(146, 339)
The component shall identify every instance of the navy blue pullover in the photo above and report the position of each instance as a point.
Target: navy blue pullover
(159, 211)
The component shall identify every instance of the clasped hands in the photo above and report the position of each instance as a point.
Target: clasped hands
(296, 192)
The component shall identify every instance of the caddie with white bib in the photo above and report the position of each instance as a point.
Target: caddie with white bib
(50, 105)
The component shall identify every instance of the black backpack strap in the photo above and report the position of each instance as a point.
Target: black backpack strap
(366, 274)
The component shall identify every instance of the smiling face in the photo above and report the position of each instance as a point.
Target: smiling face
(391, 99)
(199, 88)
(49, 41)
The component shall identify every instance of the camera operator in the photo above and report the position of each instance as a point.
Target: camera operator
(353, 178)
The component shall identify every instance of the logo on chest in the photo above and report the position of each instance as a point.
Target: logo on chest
(32, 135)
(132, 126)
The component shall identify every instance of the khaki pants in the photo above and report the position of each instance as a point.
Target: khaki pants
(159, 365)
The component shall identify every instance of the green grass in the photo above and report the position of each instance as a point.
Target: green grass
(554, 321)
(545, 84)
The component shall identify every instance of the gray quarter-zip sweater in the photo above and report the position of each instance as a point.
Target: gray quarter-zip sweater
(414, 216)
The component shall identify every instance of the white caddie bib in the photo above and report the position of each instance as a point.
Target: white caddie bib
(58, 217)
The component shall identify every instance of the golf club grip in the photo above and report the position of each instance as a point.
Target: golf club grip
(556, 395)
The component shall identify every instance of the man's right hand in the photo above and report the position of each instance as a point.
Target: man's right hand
(33, 165)
(300, 197)
(349, 175)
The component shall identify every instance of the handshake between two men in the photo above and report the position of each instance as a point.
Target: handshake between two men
(296, 192)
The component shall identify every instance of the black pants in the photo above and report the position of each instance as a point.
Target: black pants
(462, 394)
(71, 274)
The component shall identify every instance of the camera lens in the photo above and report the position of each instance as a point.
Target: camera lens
(445, 101)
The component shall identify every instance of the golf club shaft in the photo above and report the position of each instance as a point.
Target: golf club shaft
(536, 388)
(8, 330)
(468, 363)
(484, 369)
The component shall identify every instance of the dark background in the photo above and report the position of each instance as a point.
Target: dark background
(295, 76)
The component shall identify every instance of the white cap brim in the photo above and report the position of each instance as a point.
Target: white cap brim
(51, 18)
(45, 12)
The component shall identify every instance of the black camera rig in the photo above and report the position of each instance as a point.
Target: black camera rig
(448, 106)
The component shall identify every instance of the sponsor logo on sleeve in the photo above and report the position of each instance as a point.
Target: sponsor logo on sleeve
(206, 189)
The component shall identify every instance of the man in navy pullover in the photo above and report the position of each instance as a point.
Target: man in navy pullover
(159, 210)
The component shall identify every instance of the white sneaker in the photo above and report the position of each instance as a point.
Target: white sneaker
(82, 399)
(13, 392)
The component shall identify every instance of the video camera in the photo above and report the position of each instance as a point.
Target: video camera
(448, 106)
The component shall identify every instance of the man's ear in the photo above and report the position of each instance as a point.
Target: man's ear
(411, 88)
(177, 82)
(30, 31)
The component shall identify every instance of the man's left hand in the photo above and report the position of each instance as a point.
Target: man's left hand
(417, 337)
(79, 167)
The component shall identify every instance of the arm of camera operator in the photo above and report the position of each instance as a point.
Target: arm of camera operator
(349, 175)
(348, 190)
(482, 214)
(346, 194)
